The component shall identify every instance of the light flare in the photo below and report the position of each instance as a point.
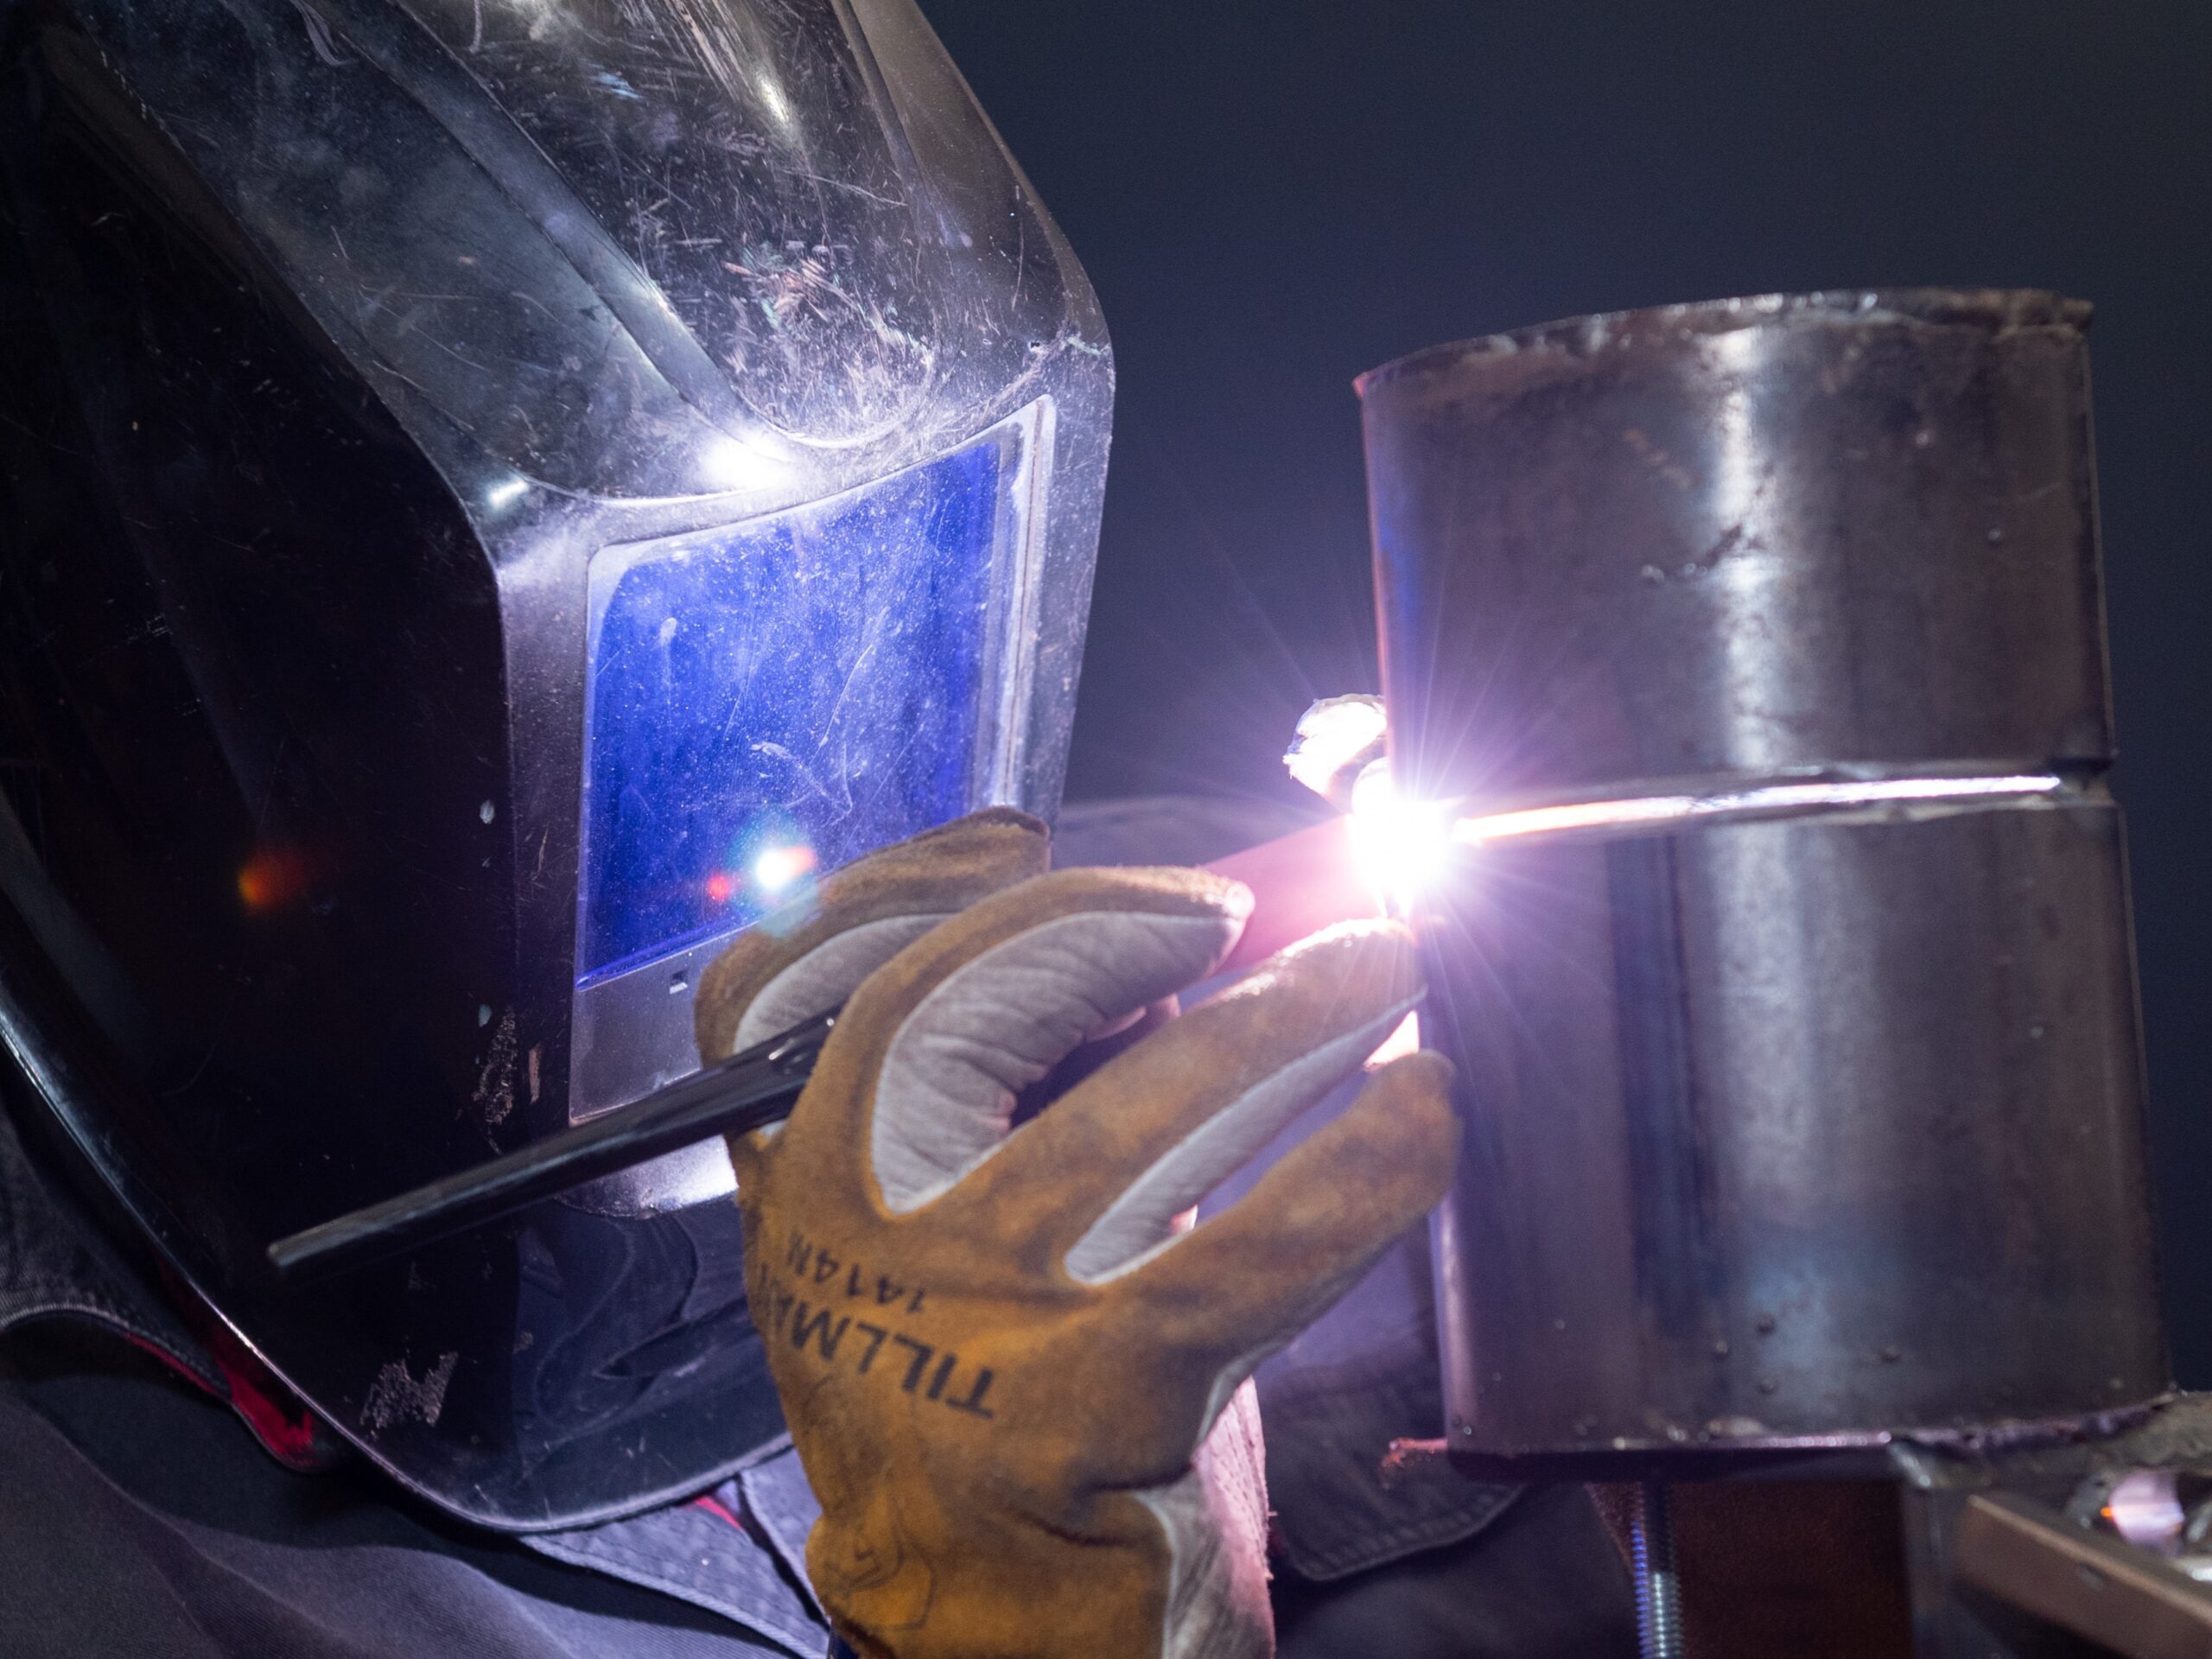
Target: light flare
(780, 867)
(1399, 845)
(730, 464)
(274, 877)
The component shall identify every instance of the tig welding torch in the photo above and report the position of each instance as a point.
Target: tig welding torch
(1300, 883)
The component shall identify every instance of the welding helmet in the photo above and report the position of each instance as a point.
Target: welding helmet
(495, 491)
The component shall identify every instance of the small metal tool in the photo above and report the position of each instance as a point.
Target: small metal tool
(745, 1092)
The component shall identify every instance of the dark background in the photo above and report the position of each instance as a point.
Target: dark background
(1271, 197)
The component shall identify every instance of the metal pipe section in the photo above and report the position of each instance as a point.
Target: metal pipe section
(1809, 1111)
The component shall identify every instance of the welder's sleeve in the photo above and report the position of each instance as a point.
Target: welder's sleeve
(1016, 1382)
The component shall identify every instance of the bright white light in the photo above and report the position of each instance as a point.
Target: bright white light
(505, 493)
(1404, 1039)
(773, 100)
(1401, 846)
(728, 464)
(2145, 1508)
(777, 868)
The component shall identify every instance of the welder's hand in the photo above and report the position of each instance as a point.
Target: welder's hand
(1014, 1387)
(811, 954)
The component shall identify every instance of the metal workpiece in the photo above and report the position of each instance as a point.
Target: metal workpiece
(1785, 953)
(1745, 536)
(1792, 1134)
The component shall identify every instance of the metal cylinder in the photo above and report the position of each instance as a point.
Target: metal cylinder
(1758, 648)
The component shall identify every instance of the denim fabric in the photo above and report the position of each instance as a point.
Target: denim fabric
(776, 1496)
(1540, 1580)
(138, 1519)
(722, 1553)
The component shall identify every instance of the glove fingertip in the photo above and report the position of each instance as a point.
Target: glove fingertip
(746, 1150)
(719, 1003)
(1404, 1122)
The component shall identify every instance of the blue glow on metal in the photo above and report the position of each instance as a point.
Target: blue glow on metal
(780, 696)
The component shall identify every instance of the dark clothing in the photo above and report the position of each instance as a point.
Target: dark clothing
(1541, 1582)
(180, 1540)
(138, 1519)
(138, 1515)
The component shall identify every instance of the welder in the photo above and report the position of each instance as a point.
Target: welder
(543, 539)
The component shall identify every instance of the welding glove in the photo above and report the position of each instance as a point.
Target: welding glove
(1016, 1384)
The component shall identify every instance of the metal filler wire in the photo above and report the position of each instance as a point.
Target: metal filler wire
(745, 1092)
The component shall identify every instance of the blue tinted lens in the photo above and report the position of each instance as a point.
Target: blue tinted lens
(780, 697)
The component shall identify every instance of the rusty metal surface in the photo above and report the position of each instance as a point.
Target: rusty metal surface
(1799, 1133)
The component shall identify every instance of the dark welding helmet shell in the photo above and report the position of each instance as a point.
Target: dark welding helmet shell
(494, 493)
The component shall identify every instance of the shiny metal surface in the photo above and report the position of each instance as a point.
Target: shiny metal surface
(1795, 531)
(1786, 1130)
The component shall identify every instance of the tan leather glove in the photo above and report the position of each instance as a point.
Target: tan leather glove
(1013, 1382)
